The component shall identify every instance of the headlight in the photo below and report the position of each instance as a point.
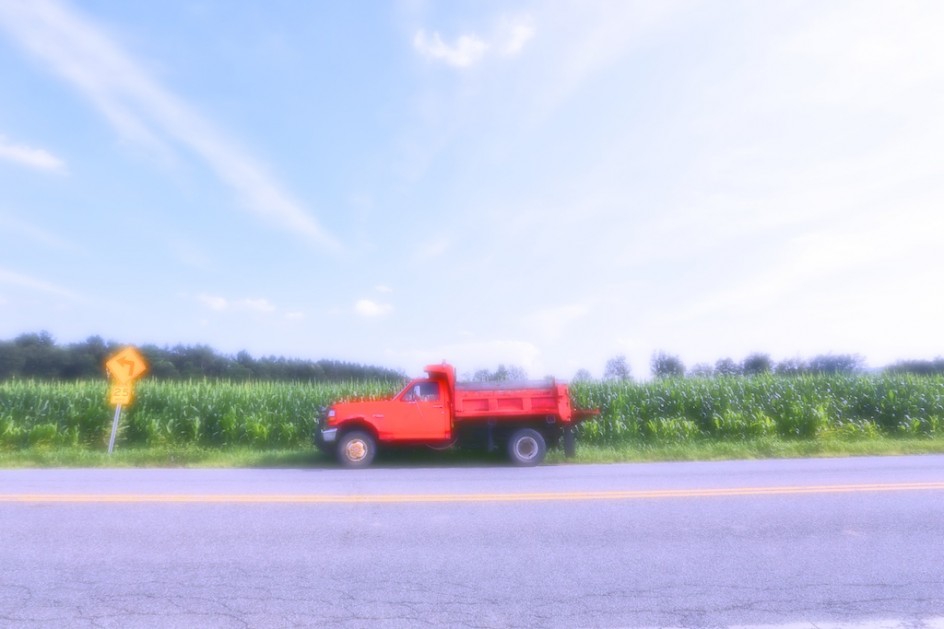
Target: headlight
(331, 413)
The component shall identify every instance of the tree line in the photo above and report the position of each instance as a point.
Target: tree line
(664, 365)
(39, 356)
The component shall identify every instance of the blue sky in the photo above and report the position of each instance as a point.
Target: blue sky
(546, 184)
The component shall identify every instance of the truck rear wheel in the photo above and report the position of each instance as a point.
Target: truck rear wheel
(526, 447)
(356, 449)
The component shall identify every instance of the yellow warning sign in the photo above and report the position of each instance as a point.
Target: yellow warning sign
(126, 366)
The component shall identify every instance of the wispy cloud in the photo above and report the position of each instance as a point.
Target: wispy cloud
(508, 38)
(466, 51)
(144, 111)
(213, 302)
(513, 34)
(222, 304)
(12, 225)
(257, 305)
(20, 280)
(370, 309)
(30, 156)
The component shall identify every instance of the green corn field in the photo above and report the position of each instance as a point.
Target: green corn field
(742, 408)
(263, 415)
(165, 413)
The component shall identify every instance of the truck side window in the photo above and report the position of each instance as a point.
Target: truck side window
(427, 392)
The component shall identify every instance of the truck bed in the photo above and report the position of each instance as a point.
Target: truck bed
(512, 400)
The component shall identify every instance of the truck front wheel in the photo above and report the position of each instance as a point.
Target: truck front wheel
(526, 447)
(356, 449)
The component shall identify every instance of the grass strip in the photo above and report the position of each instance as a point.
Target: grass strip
(242, 457)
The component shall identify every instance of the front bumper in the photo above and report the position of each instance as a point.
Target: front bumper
(329, 435)
(324, 437)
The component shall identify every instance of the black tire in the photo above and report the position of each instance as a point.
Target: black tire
(570, 442)
(356, 449)
(526, 447)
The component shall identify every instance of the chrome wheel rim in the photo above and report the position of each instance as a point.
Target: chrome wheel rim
(356, 450)
(526, 448)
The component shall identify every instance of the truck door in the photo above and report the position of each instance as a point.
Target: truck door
(425, 413)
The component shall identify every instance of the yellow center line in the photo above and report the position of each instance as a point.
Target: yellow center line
(550, 496)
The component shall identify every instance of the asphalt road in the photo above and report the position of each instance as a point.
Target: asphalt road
(804, 543)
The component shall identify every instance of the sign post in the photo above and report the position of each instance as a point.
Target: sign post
(114, 428)
(124, 368)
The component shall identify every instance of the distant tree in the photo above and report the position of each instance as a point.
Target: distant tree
(160, 365)
(517, 374)
(666, 365)
(791, 367)
(196, 361)
(512, 373)
(918, 367)
(11, 360)
(246, 360)
(617, 368)
(85, 359)
(727, 367)
(837, 364)
(41, 357)
(582, 375)
(35, 339)
(701, 370)
(78, 364)
(756, 364)
(482, 375)
(36, 355)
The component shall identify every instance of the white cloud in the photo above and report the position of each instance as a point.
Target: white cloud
(371, 309)
(12, 278)
(513, 34)
(145, 112)
(507, 39)
(294, 315)
(29, 156)
(257, 305)
(222, 304)
(213, 302)
(468, 49)
(380, 288)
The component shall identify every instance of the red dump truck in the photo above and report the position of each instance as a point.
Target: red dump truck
(523, 418)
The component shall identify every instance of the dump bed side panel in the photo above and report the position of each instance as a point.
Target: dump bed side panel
(510, 401)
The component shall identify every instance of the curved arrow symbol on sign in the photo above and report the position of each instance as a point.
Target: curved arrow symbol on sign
(126, 365)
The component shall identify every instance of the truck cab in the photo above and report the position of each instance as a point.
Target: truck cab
(420, 413)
